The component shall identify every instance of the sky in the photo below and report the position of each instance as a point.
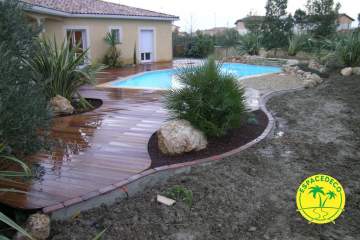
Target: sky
(205, 14)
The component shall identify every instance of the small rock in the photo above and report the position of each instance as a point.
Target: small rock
(356, 71)
(179, 136)
(38, 226)
(252, 229)
(316, 78)
(61, 105)
(347, 71)
(165, 200)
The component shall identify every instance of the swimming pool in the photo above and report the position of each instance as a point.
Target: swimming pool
(164, 79)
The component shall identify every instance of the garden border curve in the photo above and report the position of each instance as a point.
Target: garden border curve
(151, 177)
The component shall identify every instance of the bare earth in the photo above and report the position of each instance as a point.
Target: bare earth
(252, 195)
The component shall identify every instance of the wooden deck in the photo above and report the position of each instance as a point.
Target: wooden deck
(100, 148)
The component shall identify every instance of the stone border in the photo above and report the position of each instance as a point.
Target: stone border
(152, 177)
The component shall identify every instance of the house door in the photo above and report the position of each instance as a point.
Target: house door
(147, 45)
(77, 40)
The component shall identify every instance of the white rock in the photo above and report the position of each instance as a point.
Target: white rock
(178, 136)
(252, 99)
(316, 78)
(38, 226)
(165, 200)
(309, 83)
(347, 71)
(313, 64)
(61, 105)
(356, 71)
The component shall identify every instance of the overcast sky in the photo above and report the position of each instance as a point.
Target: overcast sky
(221, 13)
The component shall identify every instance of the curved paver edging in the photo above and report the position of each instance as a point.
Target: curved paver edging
(149, 178)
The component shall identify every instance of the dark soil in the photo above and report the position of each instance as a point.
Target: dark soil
(252, 195)
(216, 146)
(95, 103)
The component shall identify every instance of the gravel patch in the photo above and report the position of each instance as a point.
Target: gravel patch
(273, 82)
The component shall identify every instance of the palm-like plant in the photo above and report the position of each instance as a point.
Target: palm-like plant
(59, 68)
(211, 100)
(113, 54)
(250, 43)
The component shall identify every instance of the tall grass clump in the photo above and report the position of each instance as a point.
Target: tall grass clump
(347, 49)
(211, 100)
(297, 43)
(250, 43)
(60, 68)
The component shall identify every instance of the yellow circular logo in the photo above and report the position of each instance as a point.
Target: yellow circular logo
(320, 199)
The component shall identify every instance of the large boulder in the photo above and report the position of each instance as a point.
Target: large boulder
(178, 137)
(311, 80)
(38, 226)
(252, 99)
(356, 71)
(313, 64)
(61, 105)
(347, 71)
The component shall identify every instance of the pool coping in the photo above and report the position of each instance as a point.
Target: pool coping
(153, 176)
(121, 79)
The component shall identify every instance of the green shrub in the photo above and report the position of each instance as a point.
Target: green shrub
(58, 68)
(228, 39)
(296, 44)
(200, 46)
(250, 43)
(23, 105)
(112, 57)
(211, 100)
(180, 193)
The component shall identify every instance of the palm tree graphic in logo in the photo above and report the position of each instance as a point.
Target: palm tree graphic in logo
(318, 192)
(320, 199)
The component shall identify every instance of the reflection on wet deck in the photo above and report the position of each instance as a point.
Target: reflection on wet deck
(98, 148)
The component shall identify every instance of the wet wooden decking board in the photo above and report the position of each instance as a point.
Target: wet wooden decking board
(100, 148)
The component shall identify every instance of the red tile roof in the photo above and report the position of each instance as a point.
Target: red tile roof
(95, 7)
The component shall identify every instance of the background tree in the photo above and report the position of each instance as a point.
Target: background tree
(253, 23)
(200, 46)
(228, 39)
(277, 26)
(23, 105)
(359, 20)
(322, 16)
(300, 20)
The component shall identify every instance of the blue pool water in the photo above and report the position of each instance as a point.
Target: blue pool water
(163, 79)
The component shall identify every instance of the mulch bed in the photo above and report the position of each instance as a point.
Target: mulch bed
(96, 103)
(216, 146)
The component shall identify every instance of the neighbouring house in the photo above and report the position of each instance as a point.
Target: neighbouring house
(146, 33)
(344, 22)
(214, 31)
(242, 25)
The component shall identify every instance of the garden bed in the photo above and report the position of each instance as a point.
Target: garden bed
(216, 146)
(96, 103)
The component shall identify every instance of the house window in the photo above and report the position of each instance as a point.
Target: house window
(116, 31)
(77, 40)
